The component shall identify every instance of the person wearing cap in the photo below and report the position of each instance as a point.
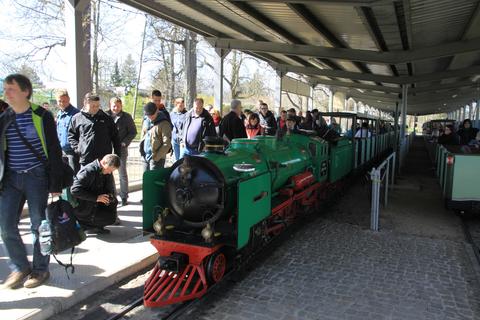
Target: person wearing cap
(157, 141)
(92, 132)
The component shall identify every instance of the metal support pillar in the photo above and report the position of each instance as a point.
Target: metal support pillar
(477, 111)
(404, 111)
(330, 100)
(395, 128)
(403, 142)
(310, 99)
(220, 55)
(278, 91)
(78, 50)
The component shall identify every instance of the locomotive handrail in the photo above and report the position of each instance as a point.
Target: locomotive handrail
(377, 176)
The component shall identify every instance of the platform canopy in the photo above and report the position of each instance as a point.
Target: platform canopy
(368, 48)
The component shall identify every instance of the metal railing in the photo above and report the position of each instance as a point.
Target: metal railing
(385, 171)
(135, 164)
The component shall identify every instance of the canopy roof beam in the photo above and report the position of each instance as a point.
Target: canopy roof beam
(391, 57)
(471, 71)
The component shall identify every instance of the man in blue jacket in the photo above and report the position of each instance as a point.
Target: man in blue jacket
(28, 139)
(64, 118)
(178, 119)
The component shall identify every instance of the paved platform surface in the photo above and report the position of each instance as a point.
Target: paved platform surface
(417, 267)
(341, 271)
(100, 261)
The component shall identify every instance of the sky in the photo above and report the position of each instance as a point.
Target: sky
(52, 70)
(127, 35)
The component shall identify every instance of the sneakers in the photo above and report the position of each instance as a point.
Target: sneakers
(15, 279)
(36, 279)
(124, 202)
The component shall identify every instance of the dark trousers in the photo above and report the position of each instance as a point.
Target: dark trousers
(73, 160)
(152, 165)
(31, 185)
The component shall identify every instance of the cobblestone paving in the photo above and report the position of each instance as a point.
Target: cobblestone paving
(332, 270)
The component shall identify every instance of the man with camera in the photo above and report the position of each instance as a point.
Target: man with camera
(94, 188)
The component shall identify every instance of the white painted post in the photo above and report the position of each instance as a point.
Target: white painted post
(78, 50)
(278, 91)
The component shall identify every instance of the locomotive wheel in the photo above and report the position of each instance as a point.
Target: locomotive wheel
(216, 267)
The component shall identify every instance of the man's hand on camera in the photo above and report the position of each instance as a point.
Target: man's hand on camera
(103, 198)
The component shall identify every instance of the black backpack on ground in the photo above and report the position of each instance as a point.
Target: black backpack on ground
(65, 230)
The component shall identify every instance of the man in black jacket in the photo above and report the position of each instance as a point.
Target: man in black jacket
(231, 126)
(28, 139)
(126, 133)
(92, 132)
(94, 189)
(198, 125)
(267, 120)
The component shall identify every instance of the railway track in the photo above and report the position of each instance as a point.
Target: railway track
(471, 229)
(175, 311)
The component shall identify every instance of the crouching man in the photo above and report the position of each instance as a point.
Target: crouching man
(94, 189)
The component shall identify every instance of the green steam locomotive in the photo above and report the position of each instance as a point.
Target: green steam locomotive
(210, 211)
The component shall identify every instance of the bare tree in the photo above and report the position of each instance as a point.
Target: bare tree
(233, 75)
(168, 42)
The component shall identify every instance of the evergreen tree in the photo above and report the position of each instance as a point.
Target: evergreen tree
(129, 72)
(116, 77)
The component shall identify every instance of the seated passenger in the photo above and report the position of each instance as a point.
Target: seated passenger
(335, 126)
(292, 126)
(282, 123)
(94, 189)
(291, 113)
(307, 123)
(475, 144)
(467, 133)
(449, 137)
(253, 127)
(363, 132)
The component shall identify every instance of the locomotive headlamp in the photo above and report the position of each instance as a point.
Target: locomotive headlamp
(207, 233)
(159, 226)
